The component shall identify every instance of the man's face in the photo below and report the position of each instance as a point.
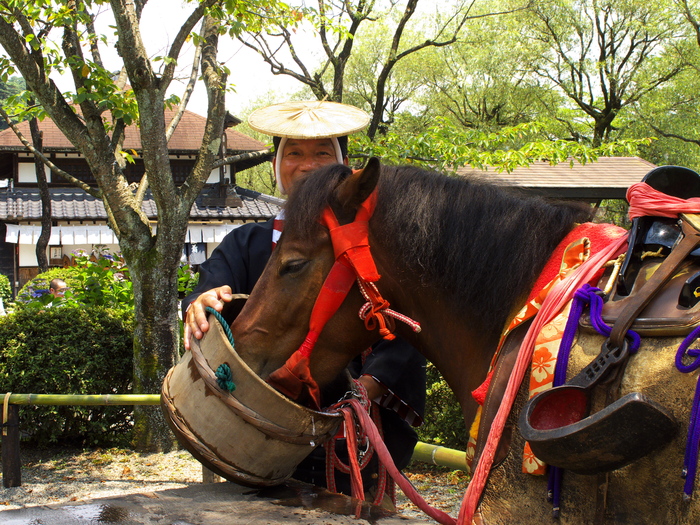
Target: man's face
(304, 155)
(59, 291)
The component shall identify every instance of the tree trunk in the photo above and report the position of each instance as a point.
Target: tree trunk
(601, 127)
(156, 340)
(43, 241)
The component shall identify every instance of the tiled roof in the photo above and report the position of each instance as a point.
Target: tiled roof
(24, 204)
(187, 136)
(607, 178)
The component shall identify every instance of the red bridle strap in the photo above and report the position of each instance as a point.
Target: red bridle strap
(351, 241)
(353, 262)
(351, 248)
(294, 377)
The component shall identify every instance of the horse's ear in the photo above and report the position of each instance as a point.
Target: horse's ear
(354, 190)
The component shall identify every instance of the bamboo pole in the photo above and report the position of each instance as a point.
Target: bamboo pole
(85, 400)
(443, 456)
(433, 454)
(11, 466)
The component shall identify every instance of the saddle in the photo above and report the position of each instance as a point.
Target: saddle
(653, 295)
(674, 309)
(668, 306)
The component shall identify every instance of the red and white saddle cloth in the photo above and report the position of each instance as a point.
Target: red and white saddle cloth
(576, 248)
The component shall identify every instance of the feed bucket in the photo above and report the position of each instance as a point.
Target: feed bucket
(252, 435)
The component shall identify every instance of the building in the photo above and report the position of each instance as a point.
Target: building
(79, 221)
(605, 178)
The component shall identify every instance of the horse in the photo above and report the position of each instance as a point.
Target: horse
(460, 256)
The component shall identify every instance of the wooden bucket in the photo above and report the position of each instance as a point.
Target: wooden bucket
(252, 435)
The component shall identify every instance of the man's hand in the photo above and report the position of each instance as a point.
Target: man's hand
(374, 390)
(196, 317)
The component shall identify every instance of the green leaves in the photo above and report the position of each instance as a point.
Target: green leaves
(99, 279)
(254, 16)
(443, 422)
(187, 279)
(446, 147)
(99, 87)
(95, 280)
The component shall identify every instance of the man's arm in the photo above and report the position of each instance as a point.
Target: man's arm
(399, 370)
(234, 267)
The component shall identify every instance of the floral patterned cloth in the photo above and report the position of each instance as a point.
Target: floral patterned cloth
(573, 254)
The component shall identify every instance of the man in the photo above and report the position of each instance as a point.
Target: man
(58, 287)
(308, 135)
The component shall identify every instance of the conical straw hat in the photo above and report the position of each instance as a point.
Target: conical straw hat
(309, 119)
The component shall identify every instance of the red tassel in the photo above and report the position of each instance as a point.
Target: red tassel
(294, 379)
(479, 394)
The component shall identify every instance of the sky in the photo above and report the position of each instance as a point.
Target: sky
(250, 75)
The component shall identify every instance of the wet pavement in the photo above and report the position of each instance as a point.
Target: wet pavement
(212, 504)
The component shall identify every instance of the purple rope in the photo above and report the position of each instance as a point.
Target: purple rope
(580, 300)
(584, 296)
(554, 489)
(690, 462)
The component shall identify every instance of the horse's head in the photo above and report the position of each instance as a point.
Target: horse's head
(275, 320)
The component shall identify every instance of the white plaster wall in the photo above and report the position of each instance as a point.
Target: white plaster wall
(27, 173)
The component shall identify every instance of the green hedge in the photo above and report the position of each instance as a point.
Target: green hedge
(5, 289)
(39, 285)
(444, 422)
(69, 350)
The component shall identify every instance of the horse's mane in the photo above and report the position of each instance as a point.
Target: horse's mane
(479, 245)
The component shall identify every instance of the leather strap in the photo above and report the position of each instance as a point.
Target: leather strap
(666, 270)
(499, 380)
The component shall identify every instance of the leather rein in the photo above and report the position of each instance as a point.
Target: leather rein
(353, 263)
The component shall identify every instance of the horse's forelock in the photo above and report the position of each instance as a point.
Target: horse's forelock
(310, 196)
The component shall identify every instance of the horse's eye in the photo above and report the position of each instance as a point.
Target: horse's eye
(293, 266)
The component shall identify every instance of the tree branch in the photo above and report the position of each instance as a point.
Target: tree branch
(143, 184)
(92, 37)
(76, 61)
(130, 46)
(180, 39)
(214, 80)
(240, 157)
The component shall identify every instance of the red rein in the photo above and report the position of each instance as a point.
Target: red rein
(353, 261)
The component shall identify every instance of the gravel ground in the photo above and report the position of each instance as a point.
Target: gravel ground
(60, 476)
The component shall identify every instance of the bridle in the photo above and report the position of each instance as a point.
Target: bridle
(353, 263)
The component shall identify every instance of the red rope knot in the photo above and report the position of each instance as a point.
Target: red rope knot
(377, 314)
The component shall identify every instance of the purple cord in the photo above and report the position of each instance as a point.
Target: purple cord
(690, 464)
